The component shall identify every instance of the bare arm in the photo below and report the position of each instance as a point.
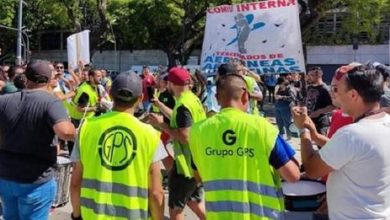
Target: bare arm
(256, 96)
(74, 76)
(65, 130)
(318, 138)
(75, 188)
(167, 112)
(179, 134)
(324, 110)
(315, 167)
(156, 193)
(61, 96)
(253, 74)
(290, 171)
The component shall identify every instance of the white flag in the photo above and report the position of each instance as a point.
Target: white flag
(266, 35)
(78, 48)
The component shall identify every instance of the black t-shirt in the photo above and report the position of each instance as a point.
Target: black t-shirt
(318, 97)
(167, 99)
(183, 117)
(27, 154)
(184, 120)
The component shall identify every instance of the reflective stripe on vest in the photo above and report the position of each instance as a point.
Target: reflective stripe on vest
(247, 187)
(243, 208)
(115, 183)
(116, 188)
(113, 210)
(242, 185)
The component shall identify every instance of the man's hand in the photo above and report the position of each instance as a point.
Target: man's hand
(300, 116)
(155, 101)
(156, 119)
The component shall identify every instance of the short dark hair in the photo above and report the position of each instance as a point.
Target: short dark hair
(92, 72)
(231, 86)
(367, 82)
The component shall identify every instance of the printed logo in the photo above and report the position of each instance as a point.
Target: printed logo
(243, 27)
(229, 137)
(117, 148)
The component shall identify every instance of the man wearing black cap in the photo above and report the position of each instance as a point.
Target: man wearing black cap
(29, 120)
(211, 101)
(117, 161)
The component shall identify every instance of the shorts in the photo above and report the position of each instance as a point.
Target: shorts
(182, 189)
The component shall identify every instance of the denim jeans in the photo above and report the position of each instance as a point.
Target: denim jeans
(22, 201)
(283, 118)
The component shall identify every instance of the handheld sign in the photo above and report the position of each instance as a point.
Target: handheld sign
(78, 48)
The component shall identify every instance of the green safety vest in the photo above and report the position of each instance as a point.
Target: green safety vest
(250, 83)
(116, 151)
(231, 151)
(182, 151)
(93, 100)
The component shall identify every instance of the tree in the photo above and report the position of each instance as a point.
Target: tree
(173, 26)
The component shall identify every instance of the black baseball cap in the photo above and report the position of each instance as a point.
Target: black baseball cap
(126, 87)
(39, 71)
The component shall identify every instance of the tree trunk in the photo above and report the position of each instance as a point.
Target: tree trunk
(171, 55)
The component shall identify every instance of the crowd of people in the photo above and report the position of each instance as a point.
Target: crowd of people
(212, 138)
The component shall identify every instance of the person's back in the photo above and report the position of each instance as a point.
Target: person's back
(26, 134)
(240, 144)
(238, 158)
(116, 151)
(359, 185)
(29, 120)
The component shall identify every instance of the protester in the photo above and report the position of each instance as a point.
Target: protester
(237, 156)
(270, 81)
(284, 99)
(86, 100)
(127, 157)
(318, 100)
(148, 83)
(212, 105)
(30, 118)
(253, 89)
(10, 85)
(356, 156)
(188, 110)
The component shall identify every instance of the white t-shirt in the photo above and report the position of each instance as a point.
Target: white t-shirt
(359, 188)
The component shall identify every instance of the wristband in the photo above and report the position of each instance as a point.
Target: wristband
(76, 218)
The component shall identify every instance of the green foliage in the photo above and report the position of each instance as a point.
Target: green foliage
(177, 26)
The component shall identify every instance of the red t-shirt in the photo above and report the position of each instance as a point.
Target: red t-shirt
(339, 120)
(147, 82)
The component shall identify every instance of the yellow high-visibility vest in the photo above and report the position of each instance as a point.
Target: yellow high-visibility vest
(231, 151)
(116, 151)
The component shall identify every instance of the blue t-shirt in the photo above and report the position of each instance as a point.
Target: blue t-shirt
(281, 154)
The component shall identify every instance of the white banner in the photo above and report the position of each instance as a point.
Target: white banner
(78, 49)
(266, 35)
